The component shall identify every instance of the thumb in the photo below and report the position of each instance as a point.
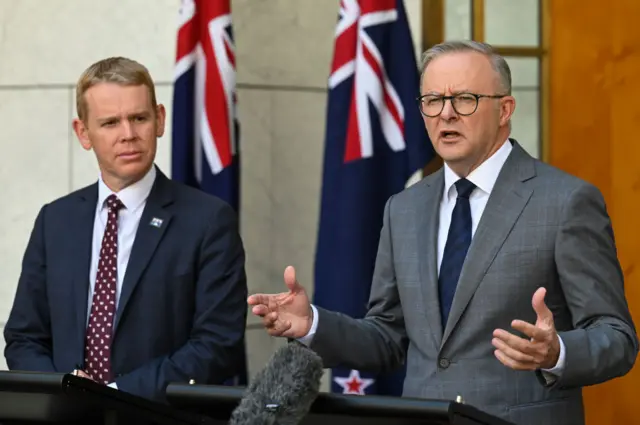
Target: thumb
(540, 307)
(290, 279)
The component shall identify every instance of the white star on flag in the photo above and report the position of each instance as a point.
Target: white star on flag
(353, 384)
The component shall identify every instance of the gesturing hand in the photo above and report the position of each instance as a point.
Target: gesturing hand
(286, 314)
(541, 351)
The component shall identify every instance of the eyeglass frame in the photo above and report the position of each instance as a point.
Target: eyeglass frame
(451, 98)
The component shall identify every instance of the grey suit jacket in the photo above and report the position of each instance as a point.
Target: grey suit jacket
(540, 227)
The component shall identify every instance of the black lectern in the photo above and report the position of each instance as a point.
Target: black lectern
(55, 398)
(218, 402)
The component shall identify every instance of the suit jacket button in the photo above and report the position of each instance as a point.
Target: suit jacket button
(444, 363)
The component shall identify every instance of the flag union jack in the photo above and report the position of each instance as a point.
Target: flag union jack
(357, 56)
(205, 42)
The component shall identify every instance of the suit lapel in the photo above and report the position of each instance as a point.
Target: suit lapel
(427, 236)
(81, 240)
(506, 202)
(153, 224)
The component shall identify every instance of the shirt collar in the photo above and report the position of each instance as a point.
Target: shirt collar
(484, 177)
(131, 196)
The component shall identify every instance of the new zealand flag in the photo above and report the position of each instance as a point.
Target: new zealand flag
(375, 141)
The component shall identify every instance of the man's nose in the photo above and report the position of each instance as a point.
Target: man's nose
(128, 131)
(448, 111)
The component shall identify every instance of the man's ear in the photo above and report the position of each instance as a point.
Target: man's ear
(82, 133)
(161, 115)
(507, 108)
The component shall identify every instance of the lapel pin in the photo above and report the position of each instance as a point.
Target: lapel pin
(156, 222)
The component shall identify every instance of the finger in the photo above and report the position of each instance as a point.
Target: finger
(509, 362)
(260, 310)
(531, 331)
(257, 299)
(269, 321)
(290, 279)
(279, 328)
(82, 374)
(516, 355)
(540, 307)
(519, 344)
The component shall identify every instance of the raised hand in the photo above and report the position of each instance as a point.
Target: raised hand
(287, 314)
(541, 351)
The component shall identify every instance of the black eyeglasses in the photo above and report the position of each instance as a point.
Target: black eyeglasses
(431, 105)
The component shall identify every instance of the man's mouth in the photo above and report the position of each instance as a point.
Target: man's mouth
(130, 154)
(449, 135)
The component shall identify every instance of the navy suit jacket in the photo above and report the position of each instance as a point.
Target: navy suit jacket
(182, 309)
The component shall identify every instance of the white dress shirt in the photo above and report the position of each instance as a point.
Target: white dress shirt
(134, 198)
(484, 177)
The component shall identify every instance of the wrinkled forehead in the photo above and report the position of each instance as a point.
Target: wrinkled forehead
(459, 72)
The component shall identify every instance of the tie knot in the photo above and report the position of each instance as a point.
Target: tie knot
(464, 188)
(113, 203)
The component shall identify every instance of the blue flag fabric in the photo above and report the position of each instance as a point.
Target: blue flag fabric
(375, 141)
(205, 130)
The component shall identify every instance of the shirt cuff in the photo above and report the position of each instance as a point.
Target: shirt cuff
(550, 375)
(113, 385)
(306, 340)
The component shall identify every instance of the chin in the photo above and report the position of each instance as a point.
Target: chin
(135, 169)
(452, 153)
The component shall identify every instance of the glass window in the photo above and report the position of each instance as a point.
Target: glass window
(512, 22)
(525, 71)
(525, 123)
(457, 20)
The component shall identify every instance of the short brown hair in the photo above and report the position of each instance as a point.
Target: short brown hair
(117, 70)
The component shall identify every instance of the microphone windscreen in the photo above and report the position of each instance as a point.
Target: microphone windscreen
(282, 393)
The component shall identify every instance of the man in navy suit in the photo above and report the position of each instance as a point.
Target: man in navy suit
(137, 279)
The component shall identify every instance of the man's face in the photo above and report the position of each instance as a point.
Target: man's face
(121, 126)
(466, 141)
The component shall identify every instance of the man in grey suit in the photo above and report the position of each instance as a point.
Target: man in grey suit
(496, 277)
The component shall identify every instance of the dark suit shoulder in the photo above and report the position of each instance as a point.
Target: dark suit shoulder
(192, 198)
(196, 211)
(70, 200)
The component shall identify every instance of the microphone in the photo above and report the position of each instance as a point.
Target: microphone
(282, 393)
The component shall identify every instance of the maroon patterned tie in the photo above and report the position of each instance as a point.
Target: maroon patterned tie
(97, 356)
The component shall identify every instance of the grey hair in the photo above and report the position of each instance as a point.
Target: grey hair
(499, 63)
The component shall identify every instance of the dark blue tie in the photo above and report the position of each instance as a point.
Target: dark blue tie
(455, 250)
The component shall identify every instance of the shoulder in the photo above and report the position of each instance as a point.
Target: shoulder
(563, 186)
(72, 200)
(426, 188)
(191, 197)
(195, 205)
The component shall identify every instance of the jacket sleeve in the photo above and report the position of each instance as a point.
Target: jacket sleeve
(27, 332)
(603, 344)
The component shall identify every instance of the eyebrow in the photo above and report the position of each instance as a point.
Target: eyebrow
(465, 90)
(117, 118)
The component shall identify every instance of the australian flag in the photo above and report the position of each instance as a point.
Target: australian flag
(375, 141)
(205, 130)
